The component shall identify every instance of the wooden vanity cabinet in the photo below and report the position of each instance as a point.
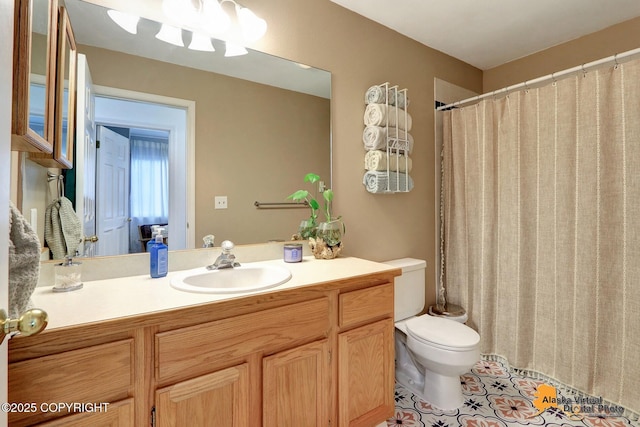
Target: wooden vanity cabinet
(315, 356)
(366, 365)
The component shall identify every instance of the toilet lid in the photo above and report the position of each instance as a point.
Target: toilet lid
(442, 332)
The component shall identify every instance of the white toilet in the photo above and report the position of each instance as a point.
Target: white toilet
(431, 352)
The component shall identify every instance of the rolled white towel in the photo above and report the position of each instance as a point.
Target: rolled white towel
(397, 98)
(376, 160)
(382, 115)
(375, 95)
(375, 137)
(376, 182)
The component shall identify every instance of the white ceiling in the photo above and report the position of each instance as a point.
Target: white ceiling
(488, 33)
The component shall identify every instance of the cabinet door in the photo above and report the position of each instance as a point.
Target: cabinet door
(65, 99)
(366, 374)
(297, 386)
(220, 398)
(34, 62)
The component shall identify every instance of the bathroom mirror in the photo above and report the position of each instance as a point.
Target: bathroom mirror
(249, 146)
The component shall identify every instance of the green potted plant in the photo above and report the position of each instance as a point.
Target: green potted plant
(308, 226)
(332, 229)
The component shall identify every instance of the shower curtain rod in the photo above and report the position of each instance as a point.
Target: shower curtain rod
(553, 76)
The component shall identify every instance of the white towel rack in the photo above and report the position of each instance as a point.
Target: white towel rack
(397, 139)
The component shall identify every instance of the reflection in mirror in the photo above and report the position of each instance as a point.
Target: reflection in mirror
(256, 127)
(38, 67)
(63, 151)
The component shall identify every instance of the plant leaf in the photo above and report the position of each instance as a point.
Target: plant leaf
(299, 195)
(328, 195)
(311, 177)
(314, 204)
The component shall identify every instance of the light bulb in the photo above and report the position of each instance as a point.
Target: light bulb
(170, 34)
(234, 49)
(253, 27)
(185, 12)
(201, 42)
(214, 19)
(126, 21)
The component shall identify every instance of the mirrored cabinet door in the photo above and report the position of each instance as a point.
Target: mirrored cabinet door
(65, 99)
(34, 56)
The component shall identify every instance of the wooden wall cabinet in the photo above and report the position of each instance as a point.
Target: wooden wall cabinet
(44, 73)
(312, 357)
(65, 98)
(34, 73)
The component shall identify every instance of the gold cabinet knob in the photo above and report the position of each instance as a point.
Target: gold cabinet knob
(30, 322)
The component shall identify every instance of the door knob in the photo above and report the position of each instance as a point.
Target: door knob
(91, 239)
(30, 322)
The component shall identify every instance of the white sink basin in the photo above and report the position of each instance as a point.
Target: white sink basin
(246, 278)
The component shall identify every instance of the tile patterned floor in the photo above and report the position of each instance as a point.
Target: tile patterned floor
(493, 397)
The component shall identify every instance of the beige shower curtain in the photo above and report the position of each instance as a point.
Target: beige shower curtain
(541, 213)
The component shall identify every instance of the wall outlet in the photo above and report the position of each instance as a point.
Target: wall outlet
(221, 202)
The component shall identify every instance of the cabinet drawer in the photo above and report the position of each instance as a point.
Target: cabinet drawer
(188, 352)
(102, 373)
(365, 305)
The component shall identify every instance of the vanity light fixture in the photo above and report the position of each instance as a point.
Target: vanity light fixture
(210, 17)
(126, 21)
(234, 49)
(170, 34)
(201, 42)
(253, 27)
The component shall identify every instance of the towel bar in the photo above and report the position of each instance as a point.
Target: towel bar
(280, 205)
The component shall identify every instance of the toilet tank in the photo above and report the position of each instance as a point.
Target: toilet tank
(409, 287)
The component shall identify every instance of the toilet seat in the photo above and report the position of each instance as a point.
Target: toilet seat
(442, 333)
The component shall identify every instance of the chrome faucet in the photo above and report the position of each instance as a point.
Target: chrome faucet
(226, 259)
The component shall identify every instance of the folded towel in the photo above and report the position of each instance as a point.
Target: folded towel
(24, 262)
(376, 182)
(397, 98)
(375, 137)
(377, 95)
(376, 160)
(62, 228)
(383, 115)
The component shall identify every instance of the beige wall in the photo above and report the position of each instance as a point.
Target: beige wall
(360, 53)
(253, 142)
(615, 39)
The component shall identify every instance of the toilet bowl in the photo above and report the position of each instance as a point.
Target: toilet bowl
(431, 352)
(441, 350)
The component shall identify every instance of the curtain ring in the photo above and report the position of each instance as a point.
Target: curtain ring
(584, 72)
(615, 60)
(526, 86)
(553, 77)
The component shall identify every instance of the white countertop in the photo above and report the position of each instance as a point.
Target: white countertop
(109, 299)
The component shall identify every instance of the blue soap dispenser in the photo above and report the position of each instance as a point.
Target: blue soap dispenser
(159, 255)
(154, 233)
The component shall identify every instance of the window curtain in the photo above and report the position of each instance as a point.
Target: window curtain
(149, 202)
(541, 237)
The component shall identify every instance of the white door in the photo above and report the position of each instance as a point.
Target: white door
(85, 164)
(112, 193)
(6, 61)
